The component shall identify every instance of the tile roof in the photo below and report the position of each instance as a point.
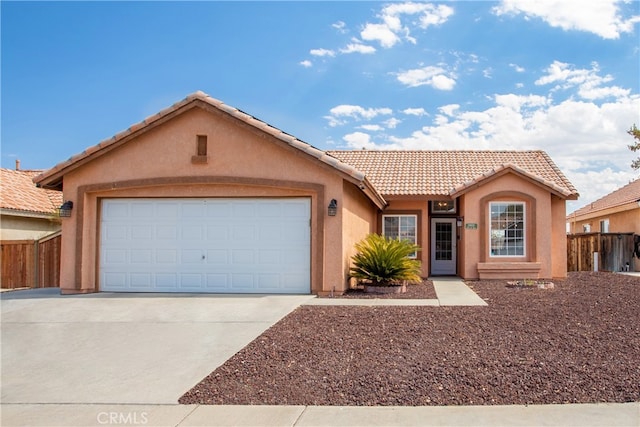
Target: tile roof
(19, 193)
(378, 172)
(630, 193)
(448, 173)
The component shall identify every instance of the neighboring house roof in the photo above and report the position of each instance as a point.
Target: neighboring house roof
(20, 195)
(451, 173)
(623, 198)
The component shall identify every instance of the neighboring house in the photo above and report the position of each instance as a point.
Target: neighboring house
(617, 212)
(203, 197)
(26, 212)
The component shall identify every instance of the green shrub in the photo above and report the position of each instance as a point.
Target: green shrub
(383, 261)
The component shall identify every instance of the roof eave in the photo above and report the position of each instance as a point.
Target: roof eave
(28, 214)
(607, 210)
(510, 168)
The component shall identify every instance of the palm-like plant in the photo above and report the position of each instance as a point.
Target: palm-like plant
(384, 261)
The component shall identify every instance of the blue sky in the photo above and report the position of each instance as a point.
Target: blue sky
(562, 76)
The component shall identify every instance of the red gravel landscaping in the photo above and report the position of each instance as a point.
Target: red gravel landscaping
(577, 343)
(423, 290)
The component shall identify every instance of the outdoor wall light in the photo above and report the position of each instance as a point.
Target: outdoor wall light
(65, 210)
(459, 221)
(332, 209)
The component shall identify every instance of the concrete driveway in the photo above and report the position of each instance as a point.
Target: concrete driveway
(123, 348)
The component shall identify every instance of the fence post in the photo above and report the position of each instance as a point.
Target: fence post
(595, 261)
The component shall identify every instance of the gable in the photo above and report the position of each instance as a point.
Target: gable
(198, 113)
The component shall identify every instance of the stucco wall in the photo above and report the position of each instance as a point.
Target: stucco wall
(545, 242)
(627, 221)
(358, 218)
(26, 228)
(242, 162)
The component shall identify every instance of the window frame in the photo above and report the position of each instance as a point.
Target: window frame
(506, 238)
(434, 203)
(415, 227)
(604, 225)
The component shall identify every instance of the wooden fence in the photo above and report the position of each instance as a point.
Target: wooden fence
(30, 263)
(614, 250)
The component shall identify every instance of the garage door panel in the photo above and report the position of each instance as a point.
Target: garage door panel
(242, 281)
(168, 281)
(166, 256)
(167, 209)
(141, 256)
(116, 281)
(205, 245)
(140, 280)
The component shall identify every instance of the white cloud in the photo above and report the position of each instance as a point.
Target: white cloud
(358, 48)
(340, 26)
(380, 33)
(435, 15)
(306, 63)
(359, 140)
(392, 123)
(322, 52)
(372, 128)
(391, 30)
(430, 76)
(415, 112)
(601, 17)
(517, 68)
(341, 114)
(589, 82)
(587, 140)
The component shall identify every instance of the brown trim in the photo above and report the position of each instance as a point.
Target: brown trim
(98, 242)
(317, 189)
(530, 213)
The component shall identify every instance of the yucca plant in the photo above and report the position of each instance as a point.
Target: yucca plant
(385, 262)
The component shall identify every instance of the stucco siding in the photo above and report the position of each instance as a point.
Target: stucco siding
(242, 162)
(26, 228)
(359, 219)
(627, 221)
(538, 216)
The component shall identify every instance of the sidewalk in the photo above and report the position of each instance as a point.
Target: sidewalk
(584, 415)
(451, 291)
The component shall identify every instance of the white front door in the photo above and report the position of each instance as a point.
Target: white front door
(443, 246)
(206, 245)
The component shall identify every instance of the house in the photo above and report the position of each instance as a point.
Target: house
(203, 197)
(617, 212)
(29, 231)
(26, 211)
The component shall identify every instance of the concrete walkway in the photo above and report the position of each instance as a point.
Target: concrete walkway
(451, 291)
(585, 415)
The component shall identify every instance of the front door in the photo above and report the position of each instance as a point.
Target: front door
(443, 246)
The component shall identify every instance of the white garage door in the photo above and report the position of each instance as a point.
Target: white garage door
(205, 245)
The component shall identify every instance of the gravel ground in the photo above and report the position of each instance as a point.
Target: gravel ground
(577, 343)
(424, 290)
